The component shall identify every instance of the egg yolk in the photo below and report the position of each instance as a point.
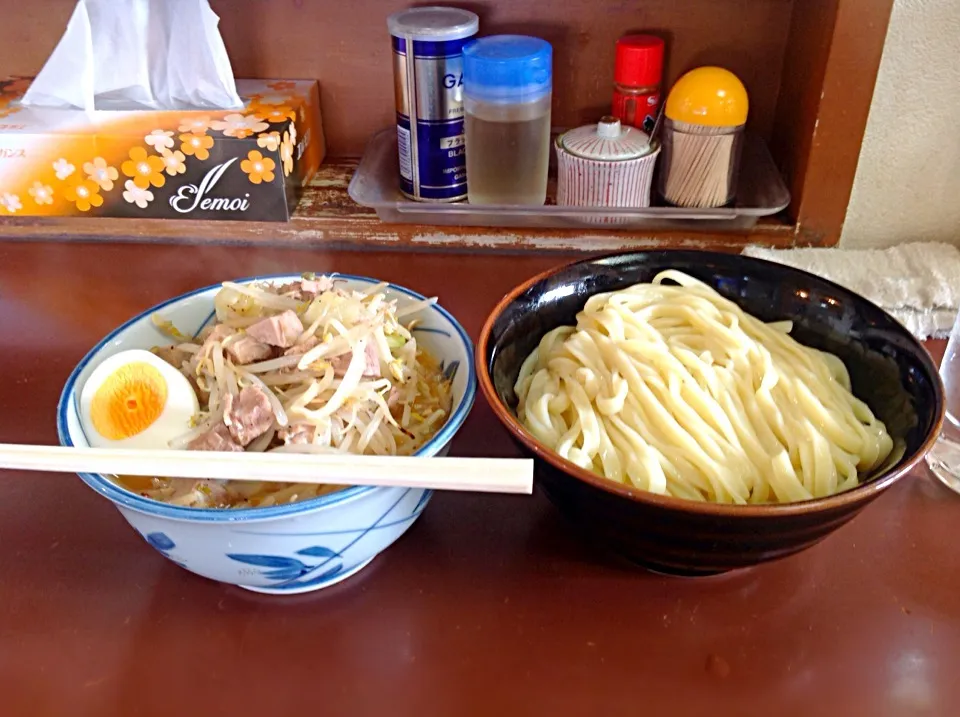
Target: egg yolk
(128, 401)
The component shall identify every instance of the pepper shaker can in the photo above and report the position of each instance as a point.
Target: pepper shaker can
(428, 88)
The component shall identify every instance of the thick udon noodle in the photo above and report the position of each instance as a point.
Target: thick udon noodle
(343, 409)
(674, 389)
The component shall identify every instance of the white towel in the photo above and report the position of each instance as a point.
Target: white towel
(918, 284)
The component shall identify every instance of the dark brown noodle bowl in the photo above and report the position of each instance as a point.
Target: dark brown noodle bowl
(889, 369)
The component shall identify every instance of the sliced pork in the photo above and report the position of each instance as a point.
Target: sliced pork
(371, 357)
(172, 355)
(247, 415)
(281, 330)
(306, 289)
(217, 438)
(316, 286)
(393, 397)
(298, 434)
(218, 333)
(246, 350)
(299, 349)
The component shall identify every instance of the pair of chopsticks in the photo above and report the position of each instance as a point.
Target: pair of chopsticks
(486, 475)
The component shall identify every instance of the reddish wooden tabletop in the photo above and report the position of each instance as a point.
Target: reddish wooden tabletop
(486, 607)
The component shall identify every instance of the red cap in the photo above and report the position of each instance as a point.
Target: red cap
(639, 61)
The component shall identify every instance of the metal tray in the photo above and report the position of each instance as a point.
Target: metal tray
(761, 192)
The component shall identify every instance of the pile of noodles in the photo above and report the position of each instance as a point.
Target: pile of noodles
(671, 388)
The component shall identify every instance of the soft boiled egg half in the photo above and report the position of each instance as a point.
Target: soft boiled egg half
(135, 399)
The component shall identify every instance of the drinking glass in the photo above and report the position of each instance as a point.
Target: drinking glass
(944, 457)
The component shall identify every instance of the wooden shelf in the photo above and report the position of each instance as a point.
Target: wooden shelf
(809, 66)
(327, 216)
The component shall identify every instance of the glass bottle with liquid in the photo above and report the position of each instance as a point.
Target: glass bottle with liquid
(507, 86)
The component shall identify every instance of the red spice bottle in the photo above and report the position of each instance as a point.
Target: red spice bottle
(637, 74)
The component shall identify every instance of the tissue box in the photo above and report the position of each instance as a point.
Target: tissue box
(247, 164)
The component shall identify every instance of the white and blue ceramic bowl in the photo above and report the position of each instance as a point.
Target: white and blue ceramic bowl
(283, 549)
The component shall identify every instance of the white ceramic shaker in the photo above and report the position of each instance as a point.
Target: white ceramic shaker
(605, 165)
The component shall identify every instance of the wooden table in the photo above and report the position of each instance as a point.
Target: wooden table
(486, 607)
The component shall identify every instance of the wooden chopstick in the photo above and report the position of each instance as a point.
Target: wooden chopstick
(486, 475)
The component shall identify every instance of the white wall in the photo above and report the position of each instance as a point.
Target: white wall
(908, 180)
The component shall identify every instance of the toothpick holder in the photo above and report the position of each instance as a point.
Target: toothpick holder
(699, 164)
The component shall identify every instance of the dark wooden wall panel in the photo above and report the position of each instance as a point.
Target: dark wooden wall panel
(345, 46)
(828, 78)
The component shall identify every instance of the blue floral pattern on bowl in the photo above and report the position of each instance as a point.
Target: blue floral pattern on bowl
(162, 543)
(449, 370)
(291, 573)
(430, 330)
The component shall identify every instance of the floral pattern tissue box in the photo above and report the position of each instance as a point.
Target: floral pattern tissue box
(246, 164)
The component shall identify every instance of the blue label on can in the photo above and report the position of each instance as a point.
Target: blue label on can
(429, 95)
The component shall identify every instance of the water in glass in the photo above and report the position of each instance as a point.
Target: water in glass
(944, 457)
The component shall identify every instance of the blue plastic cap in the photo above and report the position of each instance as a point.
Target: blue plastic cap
(507, 68)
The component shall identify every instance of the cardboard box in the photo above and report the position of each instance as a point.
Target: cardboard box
(247, 164)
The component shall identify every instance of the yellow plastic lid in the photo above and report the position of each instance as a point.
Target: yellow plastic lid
(709, 96)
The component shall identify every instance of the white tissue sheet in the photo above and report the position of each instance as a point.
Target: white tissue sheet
(917, 283)
(138, 54)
